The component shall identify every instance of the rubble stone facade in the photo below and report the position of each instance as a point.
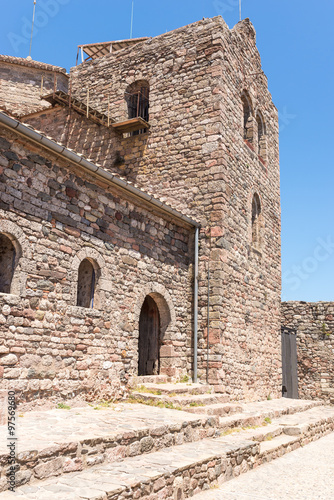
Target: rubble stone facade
(59, 216)
(314, 325)
(22, 82)
(210, 151)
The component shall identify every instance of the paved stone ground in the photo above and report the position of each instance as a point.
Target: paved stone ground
(304, 474)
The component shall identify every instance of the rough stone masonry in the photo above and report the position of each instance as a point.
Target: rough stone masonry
(211, 152)
(313, 323)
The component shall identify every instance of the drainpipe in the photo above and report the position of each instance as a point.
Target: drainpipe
(196, 305)
(208, 322)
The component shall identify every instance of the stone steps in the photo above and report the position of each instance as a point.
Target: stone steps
(192, 401)
(259, 411)
(83, 437)
(196, 398)
(185, 470)
(217, 409)
(179, 388)
(150, 379)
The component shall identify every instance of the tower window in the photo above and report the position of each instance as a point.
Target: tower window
(261, 137)
(137, 97)
(247, 118)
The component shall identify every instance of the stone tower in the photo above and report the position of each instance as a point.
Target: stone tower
(212, 152)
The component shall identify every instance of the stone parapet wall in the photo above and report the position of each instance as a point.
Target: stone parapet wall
(58, 215)
(314, 324)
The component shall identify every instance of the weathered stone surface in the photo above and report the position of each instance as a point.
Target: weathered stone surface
(51, 468)
(10, 359)
(146, 444)
(23, 96)
(314, 326)
(72, 465)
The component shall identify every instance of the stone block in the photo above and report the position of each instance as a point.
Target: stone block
(8, 360)
(167, 351)
(48, 469)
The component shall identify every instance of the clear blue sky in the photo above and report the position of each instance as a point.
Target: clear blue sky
(295, 39)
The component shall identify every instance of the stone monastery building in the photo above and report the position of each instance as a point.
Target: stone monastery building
(140, 203)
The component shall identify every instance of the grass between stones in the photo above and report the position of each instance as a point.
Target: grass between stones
(151, 402)
(63, 406)
(144, 390)
(247, 428)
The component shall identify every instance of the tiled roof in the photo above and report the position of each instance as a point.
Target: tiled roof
(32, 64)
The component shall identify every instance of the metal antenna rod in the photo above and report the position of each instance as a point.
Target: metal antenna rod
(132, 19)
(240, 10)
(32, 28)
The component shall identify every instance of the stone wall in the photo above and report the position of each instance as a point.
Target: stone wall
(58, 215)
(195, 158)
(20, 84)
(75, 131)
(314, 324)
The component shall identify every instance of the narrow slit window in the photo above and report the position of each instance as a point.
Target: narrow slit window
(7, 263)
(247, 119)
(256, 222)
(261, 137)
(86, 284)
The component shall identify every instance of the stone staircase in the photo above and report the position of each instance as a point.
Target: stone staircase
(144, 451)
(193, 398)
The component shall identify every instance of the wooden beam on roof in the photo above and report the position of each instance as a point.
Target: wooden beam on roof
(105, 48)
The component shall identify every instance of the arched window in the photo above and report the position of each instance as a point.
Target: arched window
(7, 263)
(137, 98)
(247, 117)
(86, 284)
(256, 222)
(261, 138)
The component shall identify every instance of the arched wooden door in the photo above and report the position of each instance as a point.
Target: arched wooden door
(149, 338)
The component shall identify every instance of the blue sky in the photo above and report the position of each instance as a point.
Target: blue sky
(296, 43)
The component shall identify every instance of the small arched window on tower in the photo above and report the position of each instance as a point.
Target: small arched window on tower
(7, 263)
(256, 222)
(261, 136)
(137, 97)
(247, 118)
(86, 284)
